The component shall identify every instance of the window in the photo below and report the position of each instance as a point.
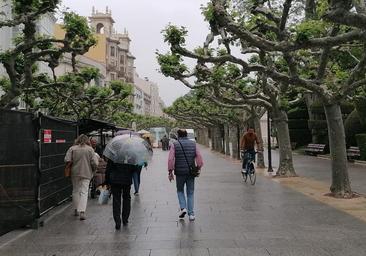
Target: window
(113, 51)
(100, 28)
(122, 59)
(113, 77)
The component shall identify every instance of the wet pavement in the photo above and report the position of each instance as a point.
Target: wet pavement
(232, 218)
(319, 168)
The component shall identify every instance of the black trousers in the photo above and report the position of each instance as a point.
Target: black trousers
(118, 191)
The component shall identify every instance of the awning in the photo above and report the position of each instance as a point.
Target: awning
(89, 125)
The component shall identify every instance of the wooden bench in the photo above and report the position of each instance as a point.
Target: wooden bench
(315, 149)
(353, 153)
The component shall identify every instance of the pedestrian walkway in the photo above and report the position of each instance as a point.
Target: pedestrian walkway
(319, 168)
(232, 218)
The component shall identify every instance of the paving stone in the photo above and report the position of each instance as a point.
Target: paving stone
(237, 252)
(232, 218)
(181, 252)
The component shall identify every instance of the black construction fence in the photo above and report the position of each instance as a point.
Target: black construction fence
(32, 151)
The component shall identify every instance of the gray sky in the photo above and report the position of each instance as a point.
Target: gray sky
(144, 20)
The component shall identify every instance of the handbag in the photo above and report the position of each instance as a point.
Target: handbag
(193, 170)
(68, 167)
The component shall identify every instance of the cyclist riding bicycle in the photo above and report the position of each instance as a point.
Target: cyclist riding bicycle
(247, 143)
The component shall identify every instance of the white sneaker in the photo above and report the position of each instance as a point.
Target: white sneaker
(182, 213)
(192, 217)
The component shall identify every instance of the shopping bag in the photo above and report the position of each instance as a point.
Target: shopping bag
(104, 196)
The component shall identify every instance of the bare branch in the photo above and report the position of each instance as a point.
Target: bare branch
(285, 13)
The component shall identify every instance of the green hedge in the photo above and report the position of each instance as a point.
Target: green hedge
(300, 136)
(317, 124)
(317, 107)
(298, 124)
(360, 104)
(361, 143)
(353, 126)
(298, 113)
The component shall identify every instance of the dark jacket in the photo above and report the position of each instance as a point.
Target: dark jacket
(119, 173)
(181, 165)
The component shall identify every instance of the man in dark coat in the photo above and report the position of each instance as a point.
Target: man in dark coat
(119, 178)
(164, 143)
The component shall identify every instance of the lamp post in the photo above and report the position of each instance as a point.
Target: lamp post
(269, 143)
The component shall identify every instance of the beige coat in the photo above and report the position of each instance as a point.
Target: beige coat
(84, 161)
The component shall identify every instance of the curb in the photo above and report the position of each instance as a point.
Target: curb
(358, 162)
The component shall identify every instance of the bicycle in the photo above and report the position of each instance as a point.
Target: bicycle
(250, 167)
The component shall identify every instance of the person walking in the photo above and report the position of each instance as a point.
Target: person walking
(84, 163)
(183, 152)
(96, 146)
(247, 143)
(136, 178)
(164, 143)
(119, 179)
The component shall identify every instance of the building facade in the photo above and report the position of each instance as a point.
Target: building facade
(112, 49)
(82, 61)
(152, 103)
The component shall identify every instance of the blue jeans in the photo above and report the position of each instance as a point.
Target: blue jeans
(248, 154)
(189, 182)
(136, 178)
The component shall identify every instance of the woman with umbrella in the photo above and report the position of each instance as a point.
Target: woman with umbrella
(126, 154)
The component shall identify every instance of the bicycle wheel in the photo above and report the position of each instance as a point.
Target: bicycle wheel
(245, 176)
(252, 174)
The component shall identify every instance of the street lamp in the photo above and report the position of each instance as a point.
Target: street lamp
(269, 143)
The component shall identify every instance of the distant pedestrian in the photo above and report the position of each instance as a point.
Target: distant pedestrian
(119, 178)
(148, 141)
(183, 152)
(84, 163)
(136, 178)
(164, 143)
(96, 146)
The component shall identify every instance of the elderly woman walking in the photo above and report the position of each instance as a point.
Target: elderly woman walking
(84, 162)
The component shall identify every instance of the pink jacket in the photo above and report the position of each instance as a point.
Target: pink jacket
(171, 159)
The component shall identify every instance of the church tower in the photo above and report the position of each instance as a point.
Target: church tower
(102, 23)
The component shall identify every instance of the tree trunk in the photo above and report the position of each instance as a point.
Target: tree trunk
(341, 186)
(258, 131)
(233, 141)
(215, 144)
(222, 138)
(205, 139)
(286, 167)
(310, 98)
(227, 139)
